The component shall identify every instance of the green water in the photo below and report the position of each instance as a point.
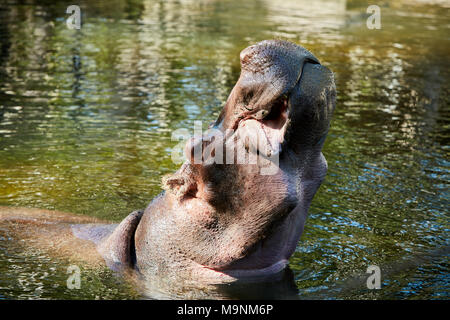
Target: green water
(86, 118)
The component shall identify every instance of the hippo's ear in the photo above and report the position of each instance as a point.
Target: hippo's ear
(118, 248)
(181, 183)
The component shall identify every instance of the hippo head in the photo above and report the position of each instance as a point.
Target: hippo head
(224, 215)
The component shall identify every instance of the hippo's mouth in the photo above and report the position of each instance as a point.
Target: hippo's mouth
(264, 132)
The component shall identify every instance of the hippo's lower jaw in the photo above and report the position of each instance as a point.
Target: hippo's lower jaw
(269, 255)
(216, 276)
(222, 221)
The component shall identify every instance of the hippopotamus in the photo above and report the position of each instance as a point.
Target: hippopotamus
(219, 219)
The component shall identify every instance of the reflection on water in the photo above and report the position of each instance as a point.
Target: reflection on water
(86, 119)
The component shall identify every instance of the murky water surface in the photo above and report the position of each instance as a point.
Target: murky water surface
(86, 119)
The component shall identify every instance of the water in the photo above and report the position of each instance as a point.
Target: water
(86, 119)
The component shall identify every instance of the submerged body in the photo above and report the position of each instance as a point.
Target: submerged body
(219, 221)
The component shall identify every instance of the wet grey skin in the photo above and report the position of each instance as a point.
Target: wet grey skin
(222, 222)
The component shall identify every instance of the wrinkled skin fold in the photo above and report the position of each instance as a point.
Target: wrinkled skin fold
(222, 221)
